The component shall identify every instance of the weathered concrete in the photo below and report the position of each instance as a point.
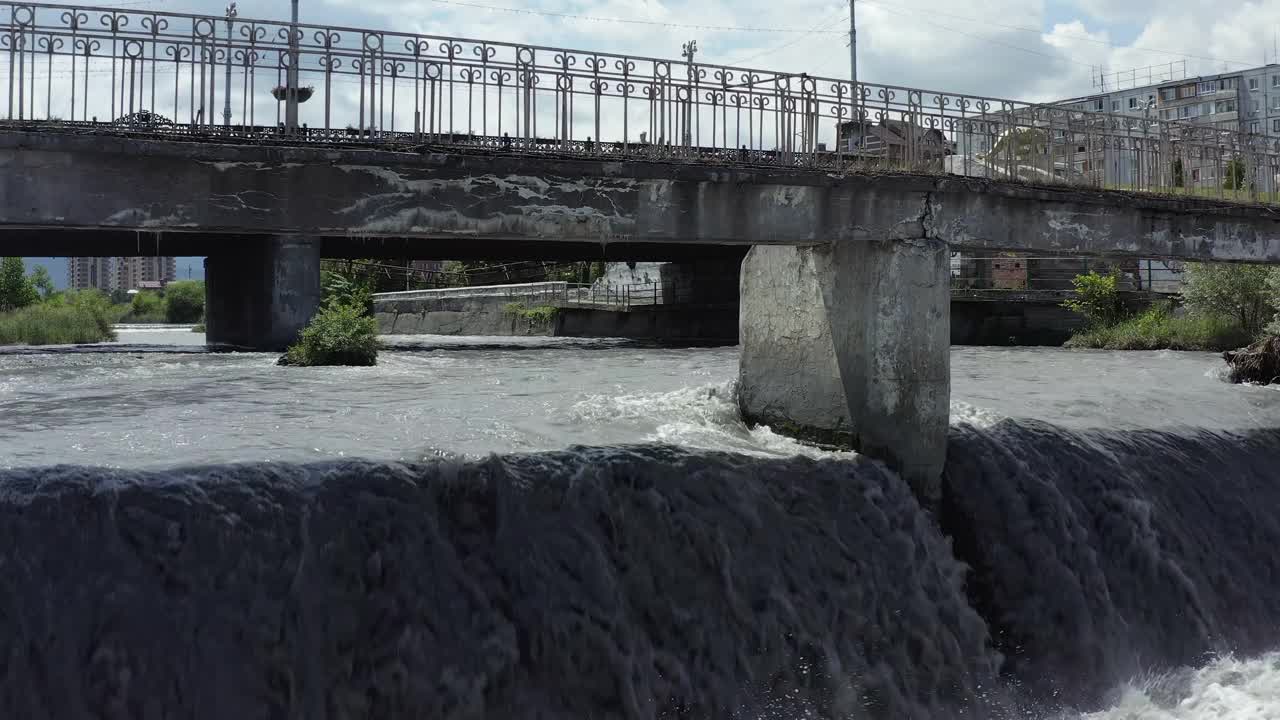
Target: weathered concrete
(427, 204)
(471, 312)
(852, 341)
(261, 296)
(486, 311)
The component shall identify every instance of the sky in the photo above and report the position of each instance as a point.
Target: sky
(1031, 50)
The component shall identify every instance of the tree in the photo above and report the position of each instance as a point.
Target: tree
(147, 307)
(184, 301)
(16, 291)
(1097, 299)
(1242, 293)
(1179, 175)
(1234, 175)
(41, 281)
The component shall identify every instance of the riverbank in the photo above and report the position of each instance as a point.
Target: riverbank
(1157, 329)
(49, 324)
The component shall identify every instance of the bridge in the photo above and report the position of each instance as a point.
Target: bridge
(265, 146)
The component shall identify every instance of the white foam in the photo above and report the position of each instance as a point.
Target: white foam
(707, 417)
(963, 412)
(1228, 689)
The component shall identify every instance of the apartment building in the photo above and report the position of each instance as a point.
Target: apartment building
(133, 273)
(85, 273)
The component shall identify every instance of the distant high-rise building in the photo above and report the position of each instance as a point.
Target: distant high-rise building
(85, 273)
(132, 273)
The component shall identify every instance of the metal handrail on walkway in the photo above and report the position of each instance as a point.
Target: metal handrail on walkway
(164, 75)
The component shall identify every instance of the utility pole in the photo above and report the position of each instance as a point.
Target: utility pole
(853, 42)
(853, 71)
(226, 89)
(291, 81)
(688, 51)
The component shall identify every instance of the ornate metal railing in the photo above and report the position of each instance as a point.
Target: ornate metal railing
(142, 71)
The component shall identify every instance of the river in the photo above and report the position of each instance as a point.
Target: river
(1106, 460)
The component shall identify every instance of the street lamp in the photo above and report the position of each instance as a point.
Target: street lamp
(226, 90)
(291, 83)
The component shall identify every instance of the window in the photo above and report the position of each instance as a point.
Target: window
(1206, 109)
(1275, 125)
(1195, 174)
(1187, 91)
(1184, 112)
(1166, 114)
(1206, 88)
(1253, 83)
(1133, 103)
(1255, 107)
(1275, 81)
(1226, 106)
(1115, 106)
(1098, 105)
(1255, 127)
(1167, 94)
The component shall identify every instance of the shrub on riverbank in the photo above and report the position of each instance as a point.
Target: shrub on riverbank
(67, 323)
(184, 301)
(338, 335)
(1159, 329)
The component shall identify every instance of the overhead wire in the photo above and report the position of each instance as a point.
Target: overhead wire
(784, 46)
(630, 21)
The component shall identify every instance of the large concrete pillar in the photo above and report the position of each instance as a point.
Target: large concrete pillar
(261, 293)
(850, 344)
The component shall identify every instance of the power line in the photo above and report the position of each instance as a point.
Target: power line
(784, 46)
(993, 41)
(628, 21)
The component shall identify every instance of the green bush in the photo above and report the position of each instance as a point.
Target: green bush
(1159, 329)
(64, 323)
(338, 335)
(146, 308)
(1097, 299)
(1245, 293)
(184, 301)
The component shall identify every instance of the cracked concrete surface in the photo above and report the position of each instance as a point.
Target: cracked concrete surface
(68, 182)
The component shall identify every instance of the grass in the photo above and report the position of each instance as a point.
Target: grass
(1243, 196)
(537, 315)
(48, 324)
(1157, 329)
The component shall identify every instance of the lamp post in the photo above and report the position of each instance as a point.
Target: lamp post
(291, 83)
(226, 89)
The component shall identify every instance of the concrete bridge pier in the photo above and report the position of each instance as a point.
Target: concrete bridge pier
(849, 344)
(261, 293)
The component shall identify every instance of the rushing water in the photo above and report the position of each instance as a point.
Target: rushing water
(1107, 539)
